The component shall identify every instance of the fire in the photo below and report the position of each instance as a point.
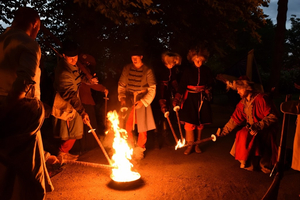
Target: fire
(180, 144)
(122, 171)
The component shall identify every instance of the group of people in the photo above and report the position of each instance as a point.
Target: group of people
(22, 156)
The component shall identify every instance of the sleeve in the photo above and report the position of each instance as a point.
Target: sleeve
(98, 87)
(267, 110)
(229, 126)
(69, 92)
(26, 70)
(148, 98)
(122, 84)
(238, 115)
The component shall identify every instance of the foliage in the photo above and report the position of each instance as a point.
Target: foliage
(107, 28)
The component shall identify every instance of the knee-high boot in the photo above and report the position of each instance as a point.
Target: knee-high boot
(197, 149)
(189, 136)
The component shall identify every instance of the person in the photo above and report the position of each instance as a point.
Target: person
(254, 145)
(195, 91)
(68, 111)
(88, 63)
(23, 169)
(296, 144)
(136, 89)
(167, 87)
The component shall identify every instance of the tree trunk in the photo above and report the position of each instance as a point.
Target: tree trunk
(279, 44)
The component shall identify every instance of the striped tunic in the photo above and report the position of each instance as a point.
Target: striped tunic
(133, 79)
(137, 80)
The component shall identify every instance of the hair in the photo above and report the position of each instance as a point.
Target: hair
(198, 50)
(246, 84)
(171, 57)
(25, 16)
(136, 50)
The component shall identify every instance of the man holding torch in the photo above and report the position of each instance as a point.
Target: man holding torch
(136, 89)
(167, 87)
(254, 145)
(194, 95)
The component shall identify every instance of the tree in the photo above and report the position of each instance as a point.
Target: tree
(279, 44)
(106, 28)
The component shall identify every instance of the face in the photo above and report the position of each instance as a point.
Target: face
(137, 61)
(198, 60)
(35, 29)
(242, 92)
(71, 60)
(170, 65)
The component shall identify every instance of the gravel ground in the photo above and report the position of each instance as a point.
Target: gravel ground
(167, 173)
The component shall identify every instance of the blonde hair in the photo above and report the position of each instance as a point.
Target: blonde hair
(198, 51)
(171, 58)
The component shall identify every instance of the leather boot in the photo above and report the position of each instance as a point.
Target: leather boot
(190, 140)
(197, 148)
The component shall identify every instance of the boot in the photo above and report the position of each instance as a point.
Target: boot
(197, 148)
(190, 140)
(189, 148)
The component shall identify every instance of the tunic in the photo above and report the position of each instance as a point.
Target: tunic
(167, 84)
(189, 111)
(259, 111)
(67, 105)
(23, 173)
(139, 80)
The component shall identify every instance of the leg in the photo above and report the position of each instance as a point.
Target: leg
(189, 136)
(199, 131)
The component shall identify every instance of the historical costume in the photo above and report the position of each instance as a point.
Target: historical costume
(168, 78)
(23, 173)
(137, 85)
(195, 91)
(254, 144)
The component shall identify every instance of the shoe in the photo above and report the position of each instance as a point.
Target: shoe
(243, 164)
(197, 149)
(138, 153)
(62, 157)
(188, 149)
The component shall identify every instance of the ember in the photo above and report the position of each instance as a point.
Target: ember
(122, 171)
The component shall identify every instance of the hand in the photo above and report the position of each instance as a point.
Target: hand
(297, 86)
(52, 160)
(163, 109)
(85, 118)
(138, 104)
(252, 132)
(94, 80)
(123, 102)
(106, 92)
(176, 100)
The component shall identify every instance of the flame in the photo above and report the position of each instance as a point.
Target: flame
(180, 144)
(122, 171)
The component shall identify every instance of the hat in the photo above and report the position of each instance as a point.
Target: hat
(244, 82)
(136, 51)
(70, 48)
(87, 59)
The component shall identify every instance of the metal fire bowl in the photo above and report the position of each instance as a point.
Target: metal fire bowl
(128, 185)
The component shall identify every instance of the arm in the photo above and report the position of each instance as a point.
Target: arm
(148, 98)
